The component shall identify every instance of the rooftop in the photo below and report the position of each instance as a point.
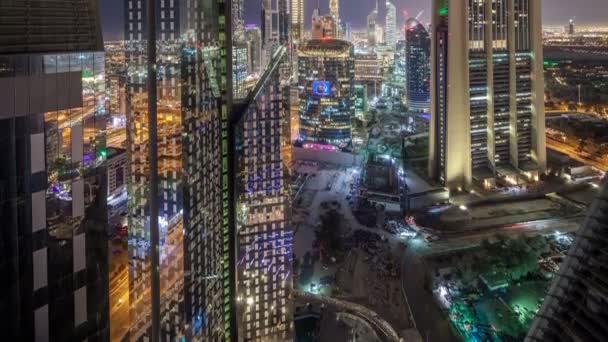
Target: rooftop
(326, 48)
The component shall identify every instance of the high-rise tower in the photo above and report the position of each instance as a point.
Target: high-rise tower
(193, 97)
(488, 119)
(263, 235)
(297, 21)
(371, 28)
(53, 188)
(326, 91)
(390, 30)
(417, 55)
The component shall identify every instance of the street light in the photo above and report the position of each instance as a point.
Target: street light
(462, 207)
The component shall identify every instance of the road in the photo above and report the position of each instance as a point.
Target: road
(571, 152)
(383, 329)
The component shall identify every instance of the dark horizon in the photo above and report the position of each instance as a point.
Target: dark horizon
(555, 12)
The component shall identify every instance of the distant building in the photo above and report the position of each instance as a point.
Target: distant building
(326, 81)
(117, 169)
(324, 27)
(391, 25)
(371, 27)
(368, 72)
(417, 55)
(487, 93)
(275, 27)
(239, 69)
(253, 38)
(570, 28)
(297, 21)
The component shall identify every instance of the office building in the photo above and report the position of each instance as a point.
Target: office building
(390, 30)
(368, 72)
(275, 27)
(334, 12)
(253, 37)
(575, 306)
(371, 27)
(239, 69)
(417, 55)
(324, 27)
(326, 81)
(570, 28)
(117, 170)
(487, 112)
(53, 207)
(297, 21)
(264, 237)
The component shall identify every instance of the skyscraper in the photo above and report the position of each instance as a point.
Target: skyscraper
(417, 54)
(194, 262)
(253, 37)
(297, 21)
(334, 12)
(53, 188)
(489, 123)
(327, 98)
(264, 237)
(390, 30)
(575, 306)
(275, 27)
(371, 27)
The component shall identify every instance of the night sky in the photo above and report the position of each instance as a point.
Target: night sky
(555, 12)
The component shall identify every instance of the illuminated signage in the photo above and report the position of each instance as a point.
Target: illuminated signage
(321, 88)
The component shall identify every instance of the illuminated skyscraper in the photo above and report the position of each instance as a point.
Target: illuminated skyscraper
(194, 266)
(417, 54)
(371, 27)
(253, 37)
(53, 187)
(334, 12)
(275, 27)
(390, 30)
(297, 21)
(264, 237)
(327, 98)
(488, 125)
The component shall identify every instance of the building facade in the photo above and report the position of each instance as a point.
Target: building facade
(253, 37)
(326, 81)
(264, 236)
(575, 305)
(53, 207)
(195, 275)
(297, 21)
(488, 125)
(390, 25)
(417, 55)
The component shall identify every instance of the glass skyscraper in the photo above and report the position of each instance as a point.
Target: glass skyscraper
(417, 55)
(53, 207)
(264, 237)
